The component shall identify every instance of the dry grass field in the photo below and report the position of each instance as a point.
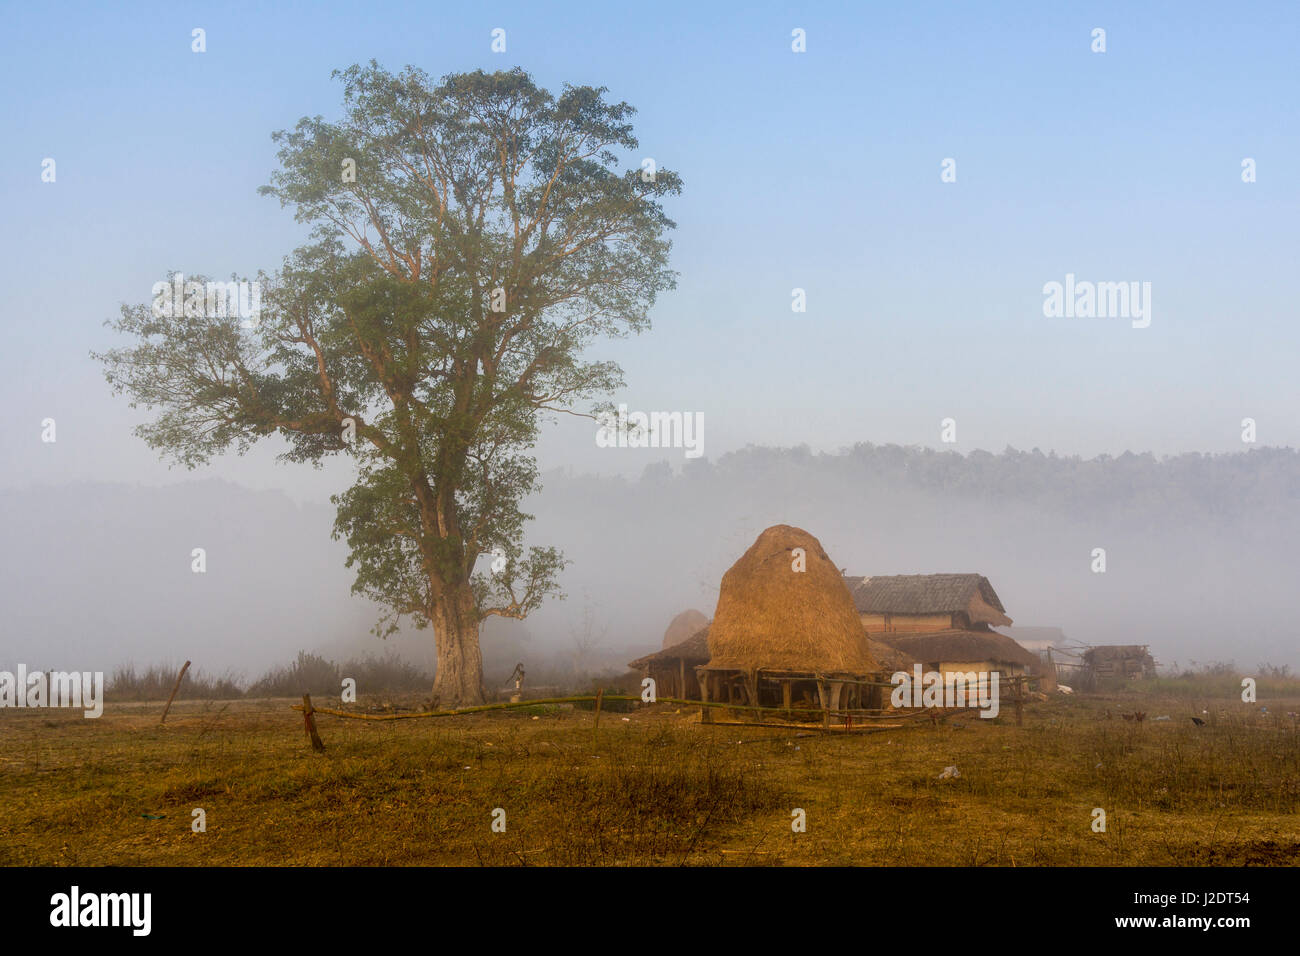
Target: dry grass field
(652, 787)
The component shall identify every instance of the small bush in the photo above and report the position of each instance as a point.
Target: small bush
(309, 674)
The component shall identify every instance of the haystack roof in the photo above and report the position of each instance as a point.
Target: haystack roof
(961, 645)
(694, 650)
(683, 626)
(923, 594)
(773, 617)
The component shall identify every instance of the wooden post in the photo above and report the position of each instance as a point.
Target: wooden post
(1020, 702)
(706, 683)
(175, 688)
(681, 667)
(600, 694)
(787, 695)
(309, 721)
(837, 695)
(822, 698)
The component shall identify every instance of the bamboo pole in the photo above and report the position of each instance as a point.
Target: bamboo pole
(175, 688)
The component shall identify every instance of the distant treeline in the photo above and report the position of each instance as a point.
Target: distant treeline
(309, 674)
(1216, 484)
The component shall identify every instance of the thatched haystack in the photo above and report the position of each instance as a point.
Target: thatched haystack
(771, 617)
(683, 626)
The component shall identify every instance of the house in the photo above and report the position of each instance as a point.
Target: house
(963, 650)
(926, 603)
(786, 630)
(945, 621)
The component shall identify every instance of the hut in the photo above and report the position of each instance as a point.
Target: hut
(963, 650)
(673, 668)
(925, 603)
(785, 626)
(683, 626)
(1127, 661)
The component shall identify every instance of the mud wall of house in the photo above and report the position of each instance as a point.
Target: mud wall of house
(906, 623)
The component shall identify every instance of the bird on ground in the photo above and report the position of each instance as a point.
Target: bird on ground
(1198, 722)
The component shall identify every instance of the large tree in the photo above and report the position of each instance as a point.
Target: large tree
(471, 239)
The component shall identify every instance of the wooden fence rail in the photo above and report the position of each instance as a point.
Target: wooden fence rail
(310, 710)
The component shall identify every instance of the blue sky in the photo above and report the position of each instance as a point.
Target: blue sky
(818, 170)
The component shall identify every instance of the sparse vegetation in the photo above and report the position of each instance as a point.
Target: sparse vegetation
(155, 682)
(308, 674)
(654, 788)
(1220, 679)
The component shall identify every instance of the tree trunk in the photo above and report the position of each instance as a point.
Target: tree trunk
(459, 680)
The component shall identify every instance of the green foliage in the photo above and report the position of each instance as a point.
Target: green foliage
(443, 308)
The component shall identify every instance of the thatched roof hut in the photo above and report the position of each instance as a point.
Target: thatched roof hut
(775, 618)
(694, 651)
(962, 646)
(887, 602)
(683, 626)
(673, 668)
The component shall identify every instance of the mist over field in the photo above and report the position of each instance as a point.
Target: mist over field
(1198, 552)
